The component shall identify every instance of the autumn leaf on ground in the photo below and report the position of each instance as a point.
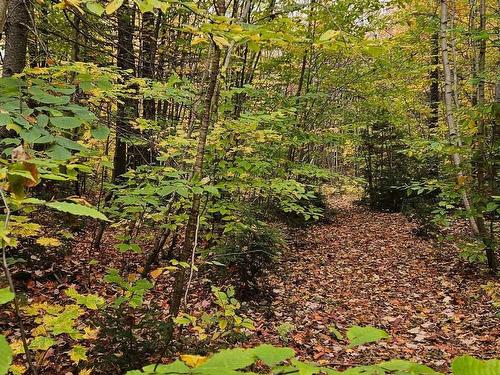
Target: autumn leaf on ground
(48, 241)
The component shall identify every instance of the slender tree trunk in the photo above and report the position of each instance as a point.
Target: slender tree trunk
(448, 98)
(4, 4)
(127, 110)
(16, 37)
(434, 87)
(197, 172)
(482, 165)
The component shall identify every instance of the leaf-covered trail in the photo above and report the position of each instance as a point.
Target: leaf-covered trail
(368, 268)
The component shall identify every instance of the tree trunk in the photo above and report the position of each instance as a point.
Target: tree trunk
(453, 130)
(127, 110)
(16, 37)
(197, 173)
(3, 15)
(149, 39)
(482, 165)
(434, 87)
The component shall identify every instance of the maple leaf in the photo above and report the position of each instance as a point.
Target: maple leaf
(48, 241)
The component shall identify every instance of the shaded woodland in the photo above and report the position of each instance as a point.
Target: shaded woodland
(249, 187)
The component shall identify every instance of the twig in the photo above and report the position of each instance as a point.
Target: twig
(12, 289)
(191, 271)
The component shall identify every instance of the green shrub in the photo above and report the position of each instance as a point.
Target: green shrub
(249, 248)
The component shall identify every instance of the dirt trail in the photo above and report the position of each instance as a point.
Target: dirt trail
(368, 268)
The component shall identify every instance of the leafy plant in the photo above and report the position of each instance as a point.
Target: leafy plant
(363, 335)
(5, 355)
(249, 247)
(284, 330)
(221, 323)
(241, 360)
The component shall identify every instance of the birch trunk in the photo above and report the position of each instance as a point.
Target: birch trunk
(453, 130)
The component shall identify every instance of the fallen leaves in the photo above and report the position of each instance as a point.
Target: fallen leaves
(368, 268)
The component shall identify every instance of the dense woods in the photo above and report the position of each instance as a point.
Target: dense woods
(170, 170)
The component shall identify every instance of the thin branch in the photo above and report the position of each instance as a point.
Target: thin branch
(12, 289)
(191, 270)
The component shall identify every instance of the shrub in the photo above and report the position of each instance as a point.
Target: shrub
(127, 337)
(248, 248)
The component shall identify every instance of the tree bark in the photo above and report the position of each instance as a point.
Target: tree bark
(127, 110)
(453, 130)
(16, 37)
(148, 50)
(434, 86)
(3, 15)
(482, 165)
(197, 173)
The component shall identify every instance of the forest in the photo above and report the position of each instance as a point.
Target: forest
(224, 187)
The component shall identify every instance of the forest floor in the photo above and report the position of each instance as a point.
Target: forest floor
(359, 268)
(368, 268)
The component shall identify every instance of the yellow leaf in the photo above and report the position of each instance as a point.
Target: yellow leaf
(15, 127)
(38, 71)
(157, 272)
(222, 323)
(17, 369)
(85, 371)
(461, 180)
(221, 41)
(90, 333)
(113, 6)
(17, 347)
(74, 3)
(132, 277)
(48, 242)
(38, 331)
(78, 353)
(198, 40)
(193, 360)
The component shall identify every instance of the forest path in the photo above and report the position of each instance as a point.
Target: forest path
(368, 268)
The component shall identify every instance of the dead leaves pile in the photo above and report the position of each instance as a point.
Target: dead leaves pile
(367, 268)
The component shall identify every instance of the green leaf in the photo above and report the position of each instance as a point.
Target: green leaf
(95, 8)
(100, 132)
(271, 355)
(66, 122)
(58, 152)
(77, 209)
(467, 365)
(45, 139)
(145, 5)
(363, 335)
(42, 120)
(55, 177)
(407, 367)
(69, 144)
(5, 355)
(177, 367)
(90, 301)
(31, 135)
(42, 343)
(43, 97)
(225, 361)
(334, 331)
(303, 368)
(78, 353)
(6, 295)
(328, 35)
(5, 119)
